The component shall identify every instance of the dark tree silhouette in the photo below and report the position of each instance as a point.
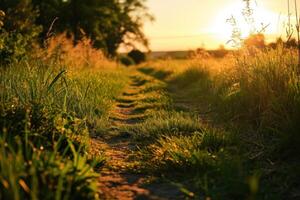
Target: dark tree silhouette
(107, 23)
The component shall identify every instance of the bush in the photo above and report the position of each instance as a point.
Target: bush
(127, 61)
(137, 56)
(13, 47)
(18, 31)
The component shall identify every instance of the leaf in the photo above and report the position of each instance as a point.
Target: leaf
(57, 77)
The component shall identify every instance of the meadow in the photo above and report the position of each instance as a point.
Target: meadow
(49, 108)
(81, 120)
(230, 130)
(212, 128)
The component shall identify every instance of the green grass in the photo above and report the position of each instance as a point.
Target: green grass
(29, 172)
(87, 92)
(219, 129)
(47, 114)
(164, 123)
(230, 130)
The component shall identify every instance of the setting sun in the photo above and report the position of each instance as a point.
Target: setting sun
(262, 21)
(205, 22)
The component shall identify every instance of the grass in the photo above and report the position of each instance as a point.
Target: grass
(48, 110)
(245, 144)
(217, 128)
(30, 172)
(87, 92)
(164, 123)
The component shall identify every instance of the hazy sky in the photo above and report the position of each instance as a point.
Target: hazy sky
(188, 24)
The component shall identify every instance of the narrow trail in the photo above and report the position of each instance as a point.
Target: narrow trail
(118, 180)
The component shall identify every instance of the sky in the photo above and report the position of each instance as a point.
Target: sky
(189, 24)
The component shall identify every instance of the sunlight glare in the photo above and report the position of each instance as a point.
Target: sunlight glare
(261, 16)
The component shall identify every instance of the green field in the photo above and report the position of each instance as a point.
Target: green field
(224, 129)
(87, 111)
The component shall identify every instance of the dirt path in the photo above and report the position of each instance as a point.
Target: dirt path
(118, 180)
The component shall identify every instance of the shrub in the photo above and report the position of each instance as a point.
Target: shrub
(137, 56)
(127, 61)
(18, 31)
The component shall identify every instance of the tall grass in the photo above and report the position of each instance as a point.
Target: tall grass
(61, 48)
(32, 172)
(261, 90)
(252, 95)
(264, 92)
(87, 92)
(48, 109)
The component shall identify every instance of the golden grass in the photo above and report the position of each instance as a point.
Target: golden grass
(80, 55)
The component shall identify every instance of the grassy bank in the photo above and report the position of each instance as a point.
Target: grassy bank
(48, 111)
(231, 131)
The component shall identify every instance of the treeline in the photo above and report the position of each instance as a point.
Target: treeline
(108, 24)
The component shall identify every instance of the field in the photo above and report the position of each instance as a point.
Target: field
(175, 129)
(48, 113)
(87, 111)
(230, 131)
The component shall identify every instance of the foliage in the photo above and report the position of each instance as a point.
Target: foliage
(19, 31)
(39, 157)
(46, 116)
(107, 23)
(42, 151)
(126, 60)
(137, 56)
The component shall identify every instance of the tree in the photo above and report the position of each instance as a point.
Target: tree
(18, 30)
(107, 23)
(20, 17)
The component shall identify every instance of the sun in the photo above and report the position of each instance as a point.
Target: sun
(261, 17)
